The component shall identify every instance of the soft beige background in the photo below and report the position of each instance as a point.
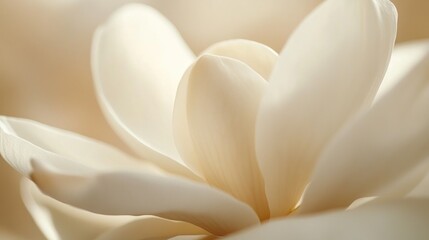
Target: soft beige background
(45, 72)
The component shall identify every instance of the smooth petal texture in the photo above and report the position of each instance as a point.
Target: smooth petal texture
(59, 221)
(383, 152)
(422, 189)
(151, 228)
(330, 68)
(218, 103)
(405, 219)
(404, 58)
(23, 141)
(138, 60)
(148, 193)
(259, 57)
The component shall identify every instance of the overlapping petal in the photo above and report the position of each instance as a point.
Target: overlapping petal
(259, 57)
(214, 122)
(138, 60)
(59, 221)
(402, 219)
(331, 67)
(23, 141)
(404, 59)
(383, 152)
(150, 227)
(148, 193)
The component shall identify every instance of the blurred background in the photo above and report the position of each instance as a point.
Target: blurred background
(45, 61)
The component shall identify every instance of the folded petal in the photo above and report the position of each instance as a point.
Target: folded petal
(148, 193)
(259, 57)
(59, 221)
(404, 58)
(150, 227)
(405, 219)
(422, 189)
(14, 216)
(383, 152)
(330, 68)
(138, 59)
(215, 123)
(22, 141)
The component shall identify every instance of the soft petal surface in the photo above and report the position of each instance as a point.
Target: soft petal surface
(214, 123)
(14, 216)
(152, 228)
(22, 141)
(383, 152)
(59, 221)
(404, 58)
(331, 67)
(405, 219)
(138, 60)
(148, 193)
(422, 189)
(259, 57)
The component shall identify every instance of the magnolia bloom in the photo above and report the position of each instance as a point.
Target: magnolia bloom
(240, 135)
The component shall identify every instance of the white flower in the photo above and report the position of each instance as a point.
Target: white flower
(233, 138)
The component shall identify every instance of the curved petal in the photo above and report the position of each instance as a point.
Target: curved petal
(330, 68)
(14, 217)
(148, 193)
(259, 57)
(151, 228)
(404, 58)
(22, 141)
(215, 127)
(383, 152)
(59, 221)
(405, 219)
(138, 59)
(422, 189)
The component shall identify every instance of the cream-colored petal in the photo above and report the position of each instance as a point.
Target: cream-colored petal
(151, 228)
(404, 219)
(383, 152)
(218, 103)
(422, 189)
(59, 221)
(138, 59)
(14, 216)
(331, 67)
(22, 141)
(405, 57)
(259, 57)
(148, 193)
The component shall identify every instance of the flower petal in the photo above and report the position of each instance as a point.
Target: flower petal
(259, 57)
(14, 217)
(404, 58)
(422, 189)
(23, 140)
(330, 68)
(405, 219)
(148, 193)
(60, 221)
(151, 228)
(383, 152)
(214, 122)
(138, 59)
